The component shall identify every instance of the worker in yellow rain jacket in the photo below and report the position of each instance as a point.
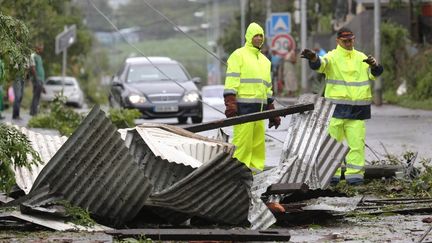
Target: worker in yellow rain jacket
(248, 89)
(348, 85)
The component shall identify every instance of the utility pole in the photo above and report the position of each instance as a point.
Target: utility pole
(268, 9)
(303, 41)
(377, 50)
(243, 20)
(216, 26)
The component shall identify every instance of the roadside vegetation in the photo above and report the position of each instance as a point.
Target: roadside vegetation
(415, 180)
(64, 119)
(59, 117)
(15, 150)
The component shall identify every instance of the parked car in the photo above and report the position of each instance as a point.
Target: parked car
(70, 87)
(159, 87)
(213, 94)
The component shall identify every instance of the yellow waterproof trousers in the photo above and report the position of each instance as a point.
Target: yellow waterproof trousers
(354, 131)
(249, 139)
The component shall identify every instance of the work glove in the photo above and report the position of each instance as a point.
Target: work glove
(273, 121)
(371, 61)
(230, 105)
(309, 54)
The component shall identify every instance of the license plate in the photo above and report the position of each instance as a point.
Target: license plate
(166, 108)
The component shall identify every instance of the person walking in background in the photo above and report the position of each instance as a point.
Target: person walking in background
(289, 73)
(38, 77)
(266, 51)
(21, 75)
(2, 81)
(348, 73)
(248, 89)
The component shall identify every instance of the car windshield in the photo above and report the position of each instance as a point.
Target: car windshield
(146, 72)
(68, 82)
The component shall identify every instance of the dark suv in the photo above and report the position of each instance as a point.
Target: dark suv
(159, 87)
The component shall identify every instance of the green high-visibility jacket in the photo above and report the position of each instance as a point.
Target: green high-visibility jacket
(348, 78)
(248, 72)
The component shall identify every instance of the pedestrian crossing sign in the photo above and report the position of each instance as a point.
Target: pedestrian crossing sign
(279, 23)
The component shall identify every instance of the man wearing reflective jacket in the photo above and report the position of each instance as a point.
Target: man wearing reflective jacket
(248, 89)
(348, 85)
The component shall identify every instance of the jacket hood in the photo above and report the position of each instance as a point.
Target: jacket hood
(252, 30)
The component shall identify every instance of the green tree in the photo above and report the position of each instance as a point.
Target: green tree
(46, 19)
(14, 42)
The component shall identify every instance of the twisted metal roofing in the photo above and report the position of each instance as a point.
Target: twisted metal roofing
(319, 155)
(94, 170)
(309, 156)
(191, 174)
(46, 146)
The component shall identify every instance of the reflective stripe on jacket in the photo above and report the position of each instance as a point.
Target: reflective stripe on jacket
(348, 78)
(248, 72)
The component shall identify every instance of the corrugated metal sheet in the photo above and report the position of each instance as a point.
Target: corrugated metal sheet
(309, 156)
(51, 223)
(46, 146)
(260, 216)
(94, 170)
(333, 204)
(218, 190)
(308, 139)
(191, 174)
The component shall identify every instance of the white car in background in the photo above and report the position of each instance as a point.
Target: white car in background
(71, 90)
(213, 94)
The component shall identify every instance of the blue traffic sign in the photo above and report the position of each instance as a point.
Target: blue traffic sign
(280, 23)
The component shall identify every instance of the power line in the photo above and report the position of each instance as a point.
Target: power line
(179, 29)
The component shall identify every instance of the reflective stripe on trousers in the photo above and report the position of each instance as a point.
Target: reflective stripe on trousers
(354, 132)
(249, 139)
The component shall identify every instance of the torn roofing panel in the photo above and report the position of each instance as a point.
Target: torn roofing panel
(260, 216)
(94, 170)
(218, 191)
(180, 147)
(329, 158)
(309, 154)
(46, 146)
(50, 223)
(167, 154)
(161, 172)
(317, 152)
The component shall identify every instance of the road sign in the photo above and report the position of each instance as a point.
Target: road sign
(280, 23)
(268, 33)
(282, 43)
(65, 39)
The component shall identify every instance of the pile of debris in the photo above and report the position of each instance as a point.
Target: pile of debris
(129, 178)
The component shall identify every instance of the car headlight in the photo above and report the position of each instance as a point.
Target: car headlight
(191, 97)
(137, 99)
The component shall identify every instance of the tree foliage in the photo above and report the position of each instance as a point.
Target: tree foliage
(44, 20)
(14, 41)
(15, 150)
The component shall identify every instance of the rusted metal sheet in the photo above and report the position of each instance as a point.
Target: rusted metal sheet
(94, 170)
(307, 106)
(46, 146)
(234, 235)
